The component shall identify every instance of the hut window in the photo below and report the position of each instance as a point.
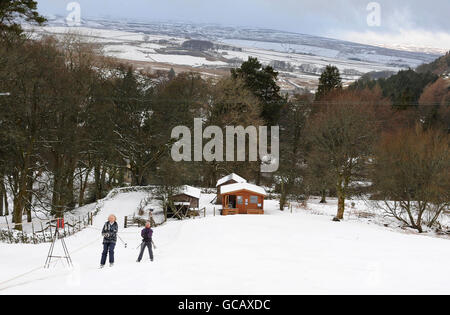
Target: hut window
(254, 199)
(240, 200)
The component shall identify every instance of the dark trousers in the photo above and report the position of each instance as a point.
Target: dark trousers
(108, 248)
(150, 251)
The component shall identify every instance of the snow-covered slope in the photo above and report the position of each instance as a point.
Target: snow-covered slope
(276, 253)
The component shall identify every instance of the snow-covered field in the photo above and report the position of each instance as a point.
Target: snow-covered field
(298, 57)
(302, 252)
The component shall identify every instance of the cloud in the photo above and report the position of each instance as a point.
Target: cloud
(433, 42)
(423, 22)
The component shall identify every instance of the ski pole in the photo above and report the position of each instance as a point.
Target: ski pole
(122, 241)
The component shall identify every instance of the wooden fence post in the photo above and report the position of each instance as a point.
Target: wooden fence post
(32, 229)
(214, 211)
(125, 222)
(43, 233)
(9, 230)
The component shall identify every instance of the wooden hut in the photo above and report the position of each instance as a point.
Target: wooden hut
(242, 198)
(227, 180)
(187, 198)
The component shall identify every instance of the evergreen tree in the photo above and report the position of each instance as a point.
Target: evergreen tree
(262, 81)
(13, 10)
(403, 89)
(330, 80)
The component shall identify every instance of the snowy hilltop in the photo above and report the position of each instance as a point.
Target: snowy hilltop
(299, 58)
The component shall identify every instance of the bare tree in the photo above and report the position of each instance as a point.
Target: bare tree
(291, 173)
(411, 175)
(434, 105)
(318, 176)
(341, 136)
(231, 103)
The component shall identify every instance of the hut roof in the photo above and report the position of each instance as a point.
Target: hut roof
(243, 186)
(190, 191)
(232, 176)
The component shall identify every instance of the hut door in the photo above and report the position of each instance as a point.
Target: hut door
(240, 204)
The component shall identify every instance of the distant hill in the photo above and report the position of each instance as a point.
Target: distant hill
(299, 58)
(440, 66)
(198, 45)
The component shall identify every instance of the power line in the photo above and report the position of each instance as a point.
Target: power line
(91, 99)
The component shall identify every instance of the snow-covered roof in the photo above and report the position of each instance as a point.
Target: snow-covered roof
(190, 191)
(243, 186)
(232, 176)
(181, 203)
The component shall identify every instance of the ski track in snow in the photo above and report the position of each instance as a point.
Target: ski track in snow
(277, 253)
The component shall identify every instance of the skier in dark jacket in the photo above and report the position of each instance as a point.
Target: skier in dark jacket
(109, 233)
(147, 241)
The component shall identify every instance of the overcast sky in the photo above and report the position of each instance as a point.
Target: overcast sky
(408, 21)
